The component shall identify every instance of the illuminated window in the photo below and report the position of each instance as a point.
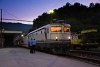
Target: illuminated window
(66, 29)
(56, 29)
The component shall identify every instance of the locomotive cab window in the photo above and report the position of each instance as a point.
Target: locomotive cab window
(66, 29)
(56, 29)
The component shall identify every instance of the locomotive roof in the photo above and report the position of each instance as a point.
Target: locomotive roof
(68, 25)
(59, 24)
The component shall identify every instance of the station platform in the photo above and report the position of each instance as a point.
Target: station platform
(21, 57)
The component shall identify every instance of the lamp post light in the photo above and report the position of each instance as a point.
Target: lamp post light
(51, 12)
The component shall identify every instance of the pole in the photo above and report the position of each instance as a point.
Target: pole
(51, 17)
(51, 13)
(1, 43)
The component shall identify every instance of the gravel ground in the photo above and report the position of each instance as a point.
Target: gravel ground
(20, 57)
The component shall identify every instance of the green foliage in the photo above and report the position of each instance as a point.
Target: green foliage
(78, 15)
(41, 20)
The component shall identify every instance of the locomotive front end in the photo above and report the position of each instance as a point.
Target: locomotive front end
(60, 38)
(60, 33)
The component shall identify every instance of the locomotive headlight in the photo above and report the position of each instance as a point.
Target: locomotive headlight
(56, 37)
(69, 38)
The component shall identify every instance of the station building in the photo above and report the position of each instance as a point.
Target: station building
(7, 37)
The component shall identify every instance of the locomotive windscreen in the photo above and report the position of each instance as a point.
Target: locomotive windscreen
(56, 29)
(66, 29)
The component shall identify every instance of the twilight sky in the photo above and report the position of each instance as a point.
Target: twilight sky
(31, 9)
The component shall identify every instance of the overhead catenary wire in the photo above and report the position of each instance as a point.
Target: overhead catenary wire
(17, 19)
(72, 1)
(59, 2)
(11, 14)
(56, 4)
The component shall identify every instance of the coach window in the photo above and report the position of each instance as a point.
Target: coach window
(36, 33)
(41, 31)
(31, 35)
(56, 29)
(28, 36)
(66, 29)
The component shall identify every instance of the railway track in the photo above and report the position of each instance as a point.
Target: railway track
(88, 56)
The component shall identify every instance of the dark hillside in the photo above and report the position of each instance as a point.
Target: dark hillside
(16, 26)
(79, 16)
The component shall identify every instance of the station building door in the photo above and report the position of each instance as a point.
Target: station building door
(8, 40)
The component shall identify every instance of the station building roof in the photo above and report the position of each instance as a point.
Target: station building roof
(11, 32)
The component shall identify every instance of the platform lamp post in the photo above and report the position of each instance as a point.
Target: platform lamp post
(51, 12)
(1, 43)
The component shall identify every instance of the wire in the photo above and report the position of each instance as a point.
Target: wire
(27, 20)
(56, 4)
(15, 17)
(11, 14)
(59, 2)
(72, 1)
